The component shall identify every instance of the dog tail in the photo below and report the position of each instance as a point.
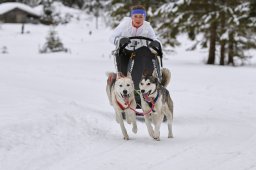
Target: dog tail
(166, 77)
(110, 81)
(111, 77)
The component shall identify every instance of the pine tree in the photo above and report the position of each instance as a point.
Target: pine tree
(47, 18)
(94, 7)
(53, 43)
(220, 22)
(122, 8)
(73, 3)
(239, 30)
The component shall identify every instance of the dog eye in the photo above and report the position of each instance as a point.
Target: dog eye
(128, 84)
(141, 84)
(120, 85)
(148, 84)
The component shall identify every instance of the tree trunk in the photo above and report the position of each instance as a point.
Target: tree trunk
(222, 42)
(222, 52)
(213, 35)
(231, 48)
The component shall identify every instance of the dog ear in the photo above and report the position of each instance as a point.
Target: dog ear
(119, 75)
(129, 75)
(154, 74)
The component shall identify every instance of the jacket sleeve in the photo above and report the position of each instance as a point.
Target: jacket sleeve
(151, 33)
(114, 38)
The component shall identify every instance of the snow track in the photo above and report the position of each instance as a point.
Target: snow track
(55, 115)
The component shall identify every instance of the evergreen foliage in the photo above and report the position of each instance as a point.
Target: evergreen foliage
(121, 8)
(211, 23)
(226, 28)
(73, 3)
(53, 43)
(47, 18)
(95, 8)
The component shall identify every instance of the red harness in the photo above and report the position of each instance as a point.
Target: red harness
(121, 106)
(151, 108)
(139, 113)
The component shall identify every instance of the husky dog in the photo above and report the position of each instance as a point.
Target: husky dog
(120, 91)
(155, 98)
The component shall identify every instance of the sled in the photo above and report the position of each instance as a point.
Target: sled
(142, 58)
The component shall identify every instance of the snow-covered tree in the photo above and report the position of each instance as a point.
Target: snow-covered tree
(48, 9)
(94, 7)
(73, 3)
(220, 22)
(122, 8)
(53, 43)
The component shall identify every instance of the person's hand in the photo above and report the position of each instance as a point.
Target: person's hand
(154, 44)
(124, 41)
(155, 47)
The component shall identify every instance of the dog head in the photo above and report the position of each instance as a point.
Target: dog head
(148, 84)
(124, 86)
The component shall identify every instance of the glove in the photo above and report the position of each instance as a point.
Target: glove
(124, 41)
(156, 47)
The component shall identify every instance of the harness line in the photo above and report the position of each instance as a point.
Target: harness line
(139, 113)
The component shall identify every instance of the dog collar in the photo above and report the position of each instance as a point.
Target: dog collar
(154, 101)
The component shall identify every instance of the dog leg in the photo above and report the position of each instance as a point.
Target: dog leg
(121, 123)
(149, 126)
(169, 122)
(117, 119)
(157, 131)
(134, 124)
(129, 118)
(158, 120)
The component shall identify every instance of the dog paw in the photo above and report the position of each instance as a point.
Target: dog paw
(157, 138)
(170, 136)
(126, 137)
(151, 133)
(129, 121)
(134, 129)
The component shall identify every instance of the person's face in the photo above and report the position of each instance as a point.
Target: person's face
(137, 20)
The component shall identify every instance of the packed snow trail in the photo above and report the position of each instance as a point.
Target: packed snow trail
(54, 112)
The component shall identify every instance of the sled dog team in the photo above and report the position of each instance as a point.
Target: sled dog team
(155, 101)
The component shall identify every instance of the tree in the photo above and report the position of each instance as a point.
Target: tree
(219, 22)
(53, 43)
(94, 7)
(47, 17)
(122, 8)
(73, 3)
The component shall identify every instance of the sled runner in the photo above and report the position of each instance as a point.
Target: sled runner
(136, 56)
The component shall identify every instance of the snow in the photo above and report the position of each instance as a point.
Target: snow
(61, 10)
(6, 7)
(55, 115)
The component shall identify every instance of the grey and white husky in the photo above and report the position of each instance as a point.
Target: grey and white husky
(120, 91)
(156, 101)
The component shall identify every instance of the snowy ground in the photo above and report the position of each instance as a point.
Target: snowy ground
(54, 113)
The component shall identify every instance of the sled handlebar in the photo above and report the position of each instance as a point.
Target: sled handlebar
(140, 37)
(136, 37)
